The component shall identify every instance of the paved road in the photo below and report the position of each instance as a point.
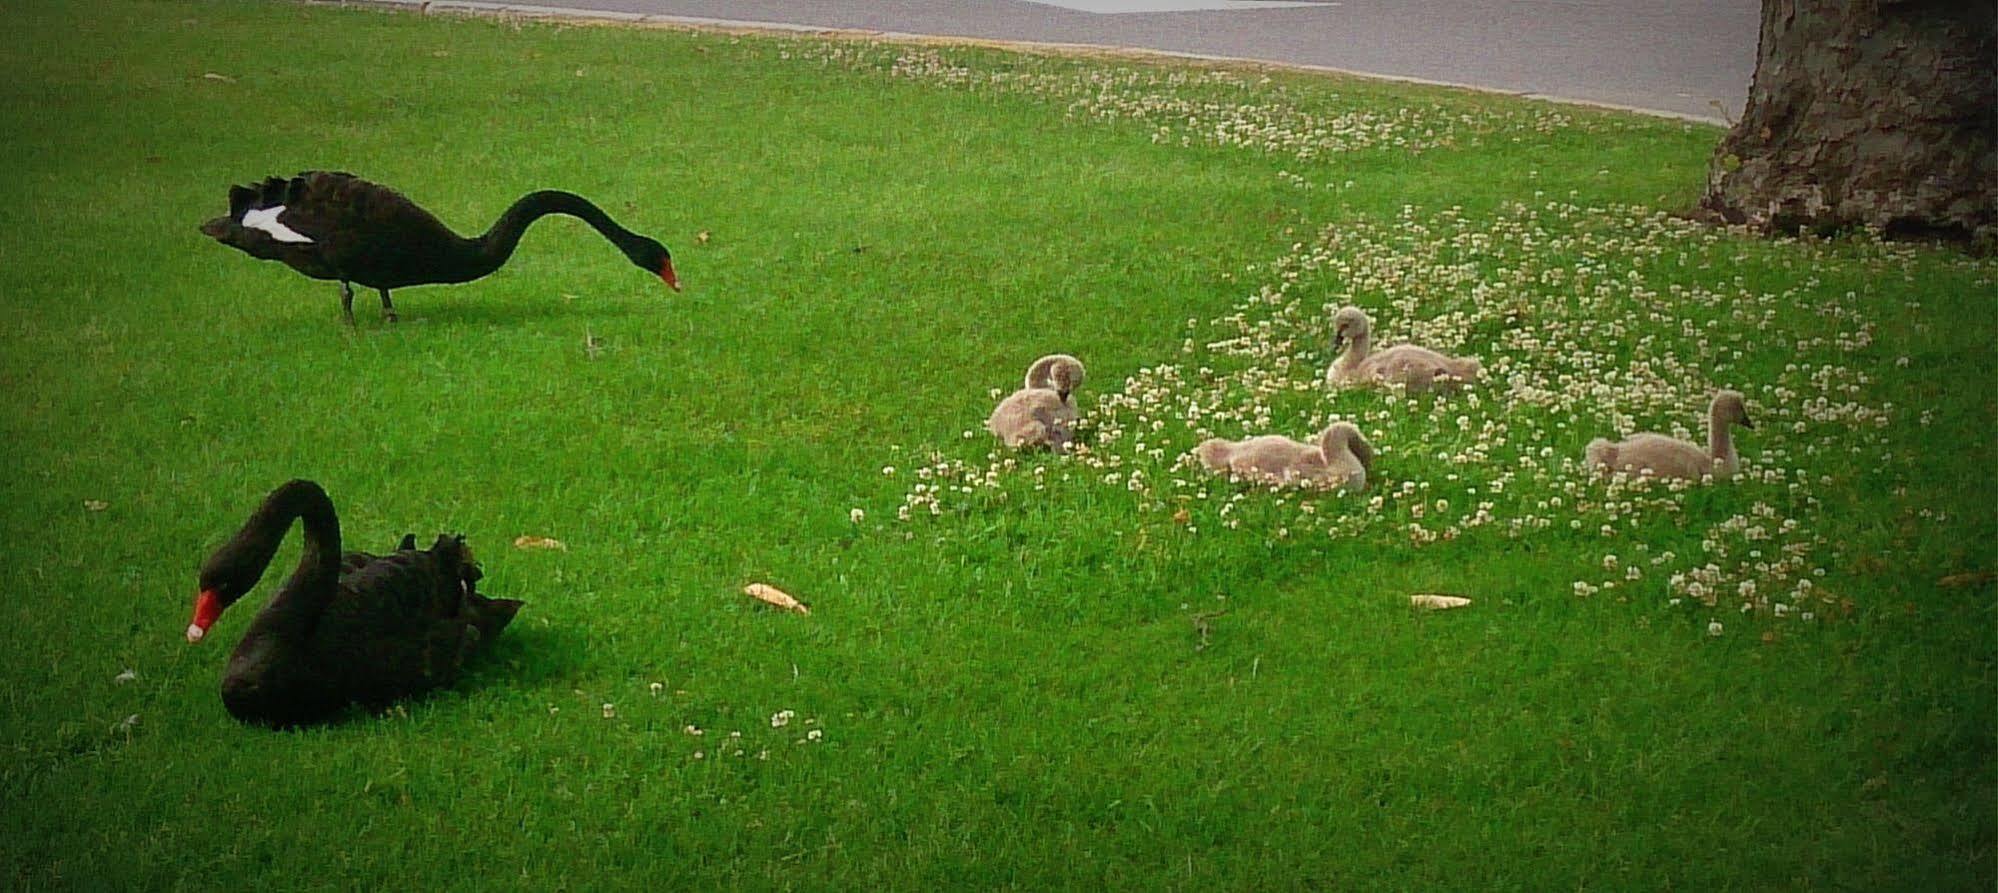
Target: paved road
(1676, 56)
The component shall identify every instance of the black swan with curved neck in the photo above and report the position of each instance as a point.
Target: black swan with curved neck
(331, 225)
(344, 629)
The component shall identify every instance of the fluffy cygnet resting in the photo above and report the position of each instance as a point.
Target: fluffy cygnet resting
(1668, 457)
(1340, 459)
(1416, 367)
(1040, 414)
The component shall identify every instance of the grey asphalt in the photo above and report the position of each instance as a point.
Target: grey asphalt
(1679, 57)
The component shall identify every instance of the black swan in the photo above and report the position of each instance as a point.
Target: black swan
(344, 629)
(330, 225)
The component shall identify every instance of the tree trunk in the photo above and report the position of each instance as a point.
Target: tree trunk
(1875, 113)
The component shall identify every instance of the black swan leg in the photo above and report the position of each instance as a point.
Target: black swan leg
(388, 309)
(347, 301)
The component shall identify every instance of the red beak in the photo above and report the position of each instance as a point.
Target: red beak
(666, 273)
(207, 607)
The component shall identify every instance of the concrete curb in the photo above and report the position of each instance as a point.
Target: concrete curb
(745, 26)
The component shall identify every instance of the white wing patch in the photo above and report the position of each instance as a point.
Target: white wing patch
(266, 219)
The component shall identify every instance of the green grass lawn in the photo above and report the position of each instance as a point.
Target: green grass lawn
(1100, 671)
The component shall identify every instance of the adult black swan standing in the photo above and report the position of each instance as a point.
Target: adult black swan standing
(344, 629)
(337, 226)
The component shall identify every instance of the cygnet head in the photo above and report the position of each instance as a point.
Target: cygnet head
(1350, 323)
(1732, 408)
(1214, 453)
(1058, 372)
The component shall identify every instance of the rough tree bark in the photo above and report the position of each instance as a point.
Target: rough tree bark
(1875, 113)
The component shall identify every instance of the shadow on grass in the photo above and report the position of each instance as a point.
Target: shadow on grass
(473, 312)
(458, 313)
(525, 657)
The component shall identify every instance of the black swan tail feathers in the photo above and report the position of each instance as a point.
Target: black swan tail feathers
(260, 223)
(242, 200)
(285, 219)
(490, 615)
(456, 570)
(485, 615)
(230, 231)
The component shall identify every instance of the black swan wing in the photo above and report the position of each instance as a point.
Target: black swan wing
(383, 636)
(372, 234)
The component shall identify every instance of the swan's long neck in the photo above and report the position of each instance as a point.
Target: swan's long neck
(1363, 452)
(497, 244)
(1041, 375)
(1720, 443)
(1331, 444)
(312, 584)
(1356, 350)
